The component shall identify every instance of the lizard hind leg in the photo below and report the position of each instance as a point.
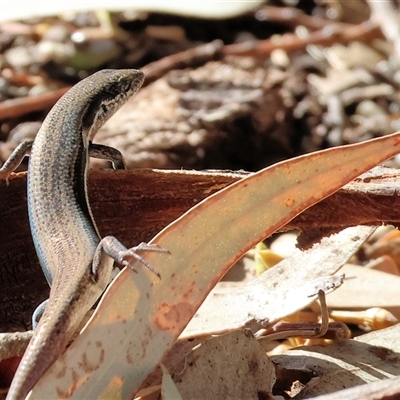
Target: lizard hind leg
(123, 256)
(37, 314)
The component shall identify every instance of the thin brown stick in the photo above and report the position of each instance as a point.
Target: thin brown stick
(24, 105)
(190, 58)
(325, 37)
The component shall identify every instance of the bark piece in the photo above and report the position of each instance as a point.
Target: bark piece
(156, 198)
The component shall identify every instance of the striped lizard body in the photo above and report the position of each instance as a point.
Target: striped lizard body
(76, 261)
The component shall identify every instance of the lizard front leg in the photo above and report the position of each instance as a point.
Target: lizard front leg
(15, 159)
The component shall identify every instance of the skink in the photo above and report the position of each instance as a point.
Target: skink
(76, 262)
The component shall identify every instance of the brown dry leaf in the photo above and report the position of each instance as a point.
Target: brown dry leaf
(231, 366)
(282, 290)
(326, 369)
(365, 288)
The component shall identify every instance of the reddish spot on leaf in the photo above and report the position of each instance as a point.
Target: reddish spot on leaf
(169, 316)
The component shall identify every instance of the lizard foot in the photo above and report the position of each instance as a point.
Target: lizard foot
(116, 250)
(133, 253)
